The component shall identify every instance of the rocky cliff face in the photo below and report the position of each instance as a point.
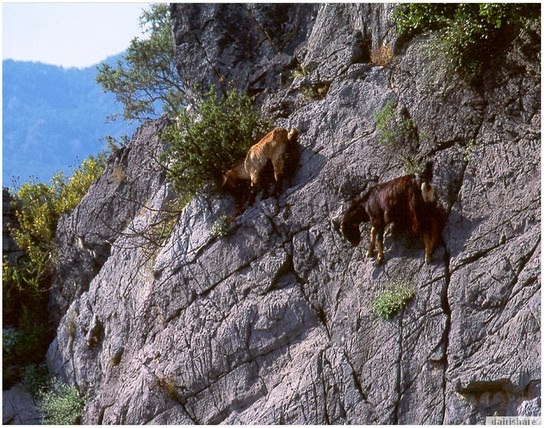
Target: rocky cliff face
(273, 323)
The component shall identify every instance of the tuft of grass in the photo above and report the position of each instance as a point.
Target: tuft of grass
(388, 302)
(72, 325)
(398, 133)
(116, 357)
(300, 72)
(168, 384)
(118, 175)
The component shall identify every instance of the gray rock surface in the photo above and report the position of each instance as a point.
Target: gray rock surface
(18, 407)
(273, 323)
(85, 236)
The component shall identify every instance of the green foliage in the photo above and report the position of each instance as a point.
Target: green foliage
(10, 371)
(61, 404)
(398, 134)
(388, 302)
(19, 344)
(146, 80)
(25, 284)
(220, 228)
(10, 337)
(385, 123)
(413, 18)
(35, 378)
(24, 345)
(205, 145)
(33, 340)
(315, 91)
(39, 207)
(469, 33)
(300, 72)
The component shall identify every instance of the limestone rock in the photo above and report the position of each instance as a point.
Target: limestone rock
(85, 237)
(273, 324)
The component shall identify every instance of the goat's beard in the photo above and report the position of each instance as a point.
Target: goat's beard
(351, 232)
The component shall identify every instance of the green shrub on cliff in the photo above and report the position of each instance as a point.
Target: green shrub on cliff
(38, 209)
(469, 34)
(61, 404)
(204, 144)
(388, 302)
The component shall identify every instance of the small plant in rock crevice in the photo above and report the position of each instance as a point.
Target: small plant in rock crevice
(388, 302)
(61, 404)
(468, 150)
(168, 385)
(221, 227)
(399, 134)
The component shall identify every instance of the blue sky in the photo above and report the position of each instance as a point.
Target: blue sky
(68, 34)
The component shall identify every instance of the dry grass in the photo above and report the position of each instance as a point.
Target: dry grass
(382, 55)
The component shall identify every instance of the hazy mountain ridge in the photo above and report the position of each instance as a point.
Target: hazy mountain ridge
(53, 117)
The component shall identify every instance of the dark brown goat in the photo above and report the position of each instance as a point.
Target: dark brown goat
(408, 201)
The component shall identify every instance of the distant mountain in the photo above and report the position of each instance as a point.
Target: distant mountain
(52, 119)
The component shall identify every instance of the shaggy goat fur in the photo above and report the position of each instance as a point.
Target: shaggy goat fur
(408, 201)
(272, 151)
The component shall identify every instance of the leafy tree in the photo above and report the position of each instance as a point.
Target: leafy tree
(61, 404)
(146, 80)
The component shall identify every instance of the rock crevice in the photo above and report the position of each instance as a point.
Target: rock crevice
(274, 323)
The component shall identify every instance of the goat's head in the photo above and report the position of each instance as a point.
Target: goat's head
(293, 134)
(230, 180)
(355, 215)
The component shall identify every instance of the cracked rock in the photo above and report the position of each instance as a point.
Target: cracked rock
(274, 323)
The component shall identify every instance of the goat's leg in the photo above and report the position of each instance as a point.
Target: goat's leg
(432, 237)
(380, 258)
(412, 216)
(278, 163)
(255, 178)
(428, 241)
(278, 187)
(371, 250)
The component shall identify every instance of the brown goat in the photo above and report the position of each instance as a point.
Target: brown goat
(407, 201)
(272, 150)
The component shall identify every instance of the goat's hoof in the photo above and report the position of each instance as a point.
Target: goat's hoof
(378, 262)
(428, 260)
